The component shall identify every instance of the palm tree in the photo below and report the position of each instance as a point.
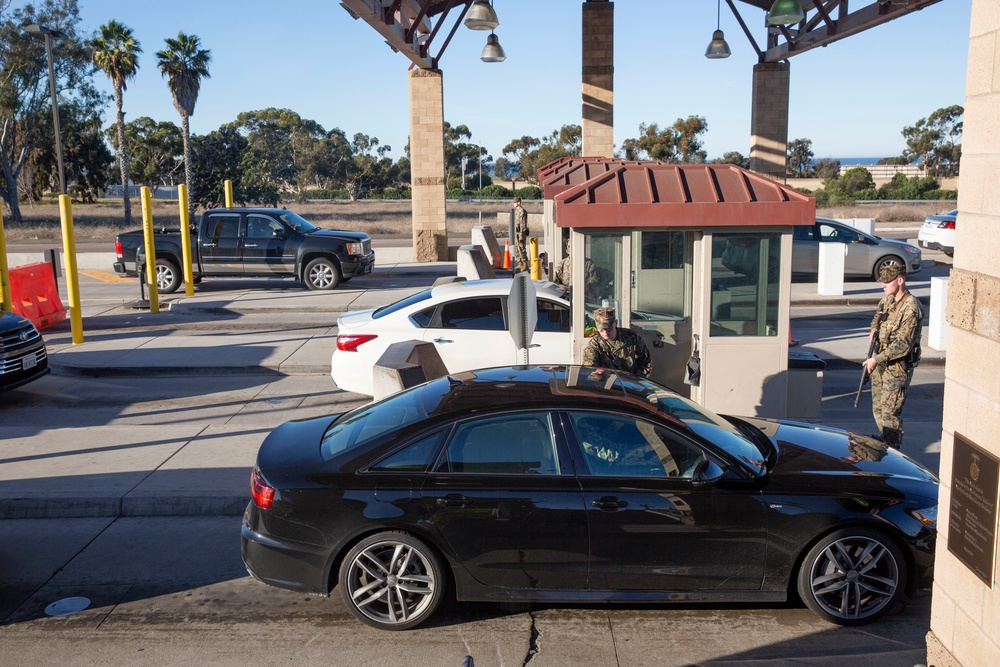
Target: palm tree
(184, 62)
(116, 52)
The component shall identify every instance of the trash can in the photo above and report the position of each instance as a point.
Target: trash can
(805, 385)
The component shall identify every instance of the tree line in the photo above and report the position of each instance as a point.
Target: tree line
(272, 155)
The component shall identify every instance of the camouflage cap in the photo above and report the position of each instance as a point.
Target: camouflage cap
(890, 272)
(603, 317)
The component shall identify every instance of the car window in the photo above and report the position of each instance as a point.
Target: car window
(298, 223)
(621, 445)
(259, 227)
(371, 421)
(402, 303)
(804, 233)
(509, 445)
(223, 226)
(485, 313)
(836, 233)
(552, 317)
(424, 317)
(414, 457)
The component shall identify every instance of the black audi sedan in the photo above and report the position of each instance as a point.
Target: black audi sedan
(572, 484)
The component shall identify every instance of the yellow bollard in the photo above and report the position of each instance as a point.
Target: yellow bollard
(5, 297)
(536, 264)
(147, 232)
(182, 196)
(72, 279)
(228, 187)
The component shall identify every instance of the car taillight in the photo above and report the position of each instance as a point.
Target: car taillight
(351, 343)
(263, 495)
(118, 248)
(947, 224)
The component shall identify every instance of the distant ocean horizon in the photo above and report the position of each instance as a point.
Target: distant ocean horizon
(854, 160)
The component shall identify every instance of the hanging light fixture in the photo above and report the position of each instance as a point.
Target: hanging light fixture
(785, 12)
(481, 16)
(493, 52)
(718, 48)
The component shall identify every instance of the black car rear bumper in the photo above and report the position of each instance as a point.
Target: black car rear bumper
(292, 566)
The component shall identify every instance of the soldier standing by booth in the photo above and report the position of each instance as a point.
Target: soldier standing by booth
(896, 330)
(521, 237)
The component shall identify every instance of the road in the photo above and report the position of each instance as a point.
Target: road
(172, 590)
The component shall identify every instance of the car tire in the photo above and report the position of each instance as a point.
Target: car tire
(321, 274)
(852, 576)
(391, 581)
(887, 261)
(168, 277)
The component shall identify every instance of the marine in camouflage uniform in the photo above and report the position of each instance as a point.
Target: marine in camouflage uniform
(520, 237)
(616, 348)
(564, 274)
(897, 324)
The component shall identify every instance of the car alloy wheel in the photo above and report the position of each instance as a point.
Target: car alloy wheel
(391, 581)
(322, 274)
(168, 278)
(852, 576)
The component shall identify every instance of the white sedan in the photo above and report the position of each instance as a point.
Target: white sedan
(466, 322)
(938, 232)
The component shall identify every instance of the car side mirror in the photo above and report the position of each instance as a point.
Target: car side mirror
(707, 472)
(279, 234)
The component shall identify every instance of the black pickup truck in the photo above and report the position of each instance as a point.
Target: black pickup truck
(235, 242)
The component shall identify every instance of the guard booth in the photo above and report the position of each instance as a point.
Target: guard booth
(694, 258)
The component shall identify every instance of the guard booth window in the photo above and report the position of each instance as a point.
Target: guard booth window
(745, 273)
(605, 251)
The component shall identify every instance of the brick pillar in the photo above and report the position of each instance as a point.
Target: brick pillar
(598, 78)
(769, 120)
(427, 170)
(964, 609)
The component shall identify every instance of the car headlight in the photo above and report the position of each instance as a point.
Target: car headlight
(910, 249)
(926, 516)
(355, 248)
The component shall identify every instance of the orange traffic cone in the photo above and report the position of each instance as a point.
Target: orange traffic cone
(506, 255)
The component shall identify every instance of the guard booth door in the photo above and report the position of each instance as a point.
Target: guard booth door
(648, 277)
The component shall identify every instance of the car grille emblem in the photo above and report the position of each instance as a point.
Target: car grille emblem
(23, 336)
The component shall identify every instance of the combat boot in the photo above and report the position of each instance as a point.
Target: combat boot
(892, 437)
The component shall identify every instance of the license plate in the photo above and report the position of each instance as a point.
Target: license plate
(29, 361)
(368, 269)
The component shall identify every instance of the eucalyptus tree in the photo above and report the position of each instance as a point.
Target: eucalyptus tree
(24, 91)
(116, 53)
(185, 64)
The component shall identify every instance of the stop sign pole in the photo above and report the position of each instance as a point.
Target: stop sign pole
(522, 312)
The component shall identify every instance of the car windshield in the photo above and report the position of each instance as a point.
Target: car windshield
(708, 425)
(297, 222)
(372, 421)
(402, 303)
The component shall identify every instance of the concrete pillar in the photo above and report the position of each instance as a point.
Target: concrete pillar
(598, 78)
(965, 610)
(427, 169)
(769, 120)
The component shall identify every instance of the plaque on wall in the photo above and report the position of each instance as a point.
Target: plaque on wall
(972, 517)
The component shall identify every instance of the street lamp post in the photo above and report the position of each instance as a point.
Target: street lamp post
(481, 174)
(49, 33)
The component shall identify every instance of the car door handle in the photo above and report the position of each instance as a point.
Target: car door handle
(208, 245)
(443, 340)
(454, 500)
(249, 245)
(609, 503)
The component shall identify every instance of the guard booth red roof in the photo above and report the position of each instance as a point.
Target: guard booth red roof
(653, 194)
(562, 174)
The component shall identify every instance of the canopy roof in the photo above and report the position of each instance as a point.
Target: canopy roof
(653, 194)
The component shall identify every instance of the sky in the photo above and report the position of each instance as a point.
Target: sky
(851, 98)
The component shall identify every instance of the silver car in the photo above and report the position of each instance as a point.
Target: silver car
(866, 254)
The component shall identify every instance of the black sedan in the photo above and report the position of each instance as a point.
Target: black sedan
(570, 484)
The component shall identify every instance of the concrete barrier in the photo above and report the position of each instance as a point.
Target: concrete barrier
(472, 265)
(404, 365)
(830, 278)
(937, 325)
(483, 237)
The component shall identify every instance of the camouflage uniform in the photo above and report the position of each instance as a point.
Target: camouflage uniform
(521, 239)
(627, 352)
(898, 333)
(564, 275)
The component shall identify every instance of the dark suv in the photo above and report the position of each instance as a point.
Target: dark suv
(22, 352)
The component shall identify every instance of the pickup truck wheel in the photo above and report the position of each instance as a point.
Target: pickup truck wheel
(321, 274)
(168, 278)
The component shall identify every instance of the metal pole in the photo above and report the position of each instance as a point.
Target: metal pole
(55, 114)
